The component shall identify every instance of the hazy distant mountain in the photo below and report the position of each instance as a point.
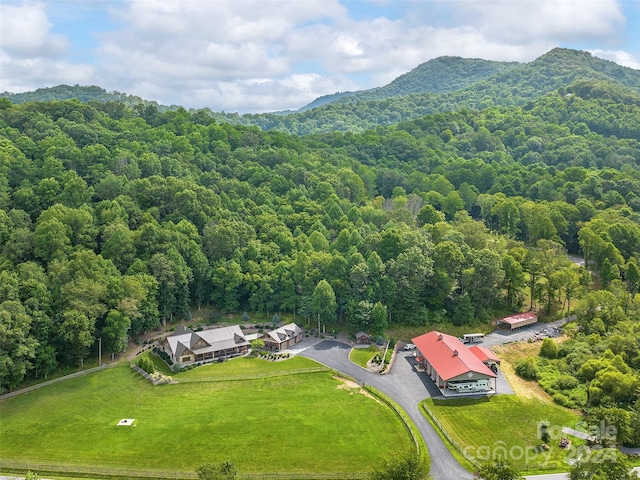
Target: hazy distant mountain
(516, 84)
(440, 75)
(440, 85)
(82, 93)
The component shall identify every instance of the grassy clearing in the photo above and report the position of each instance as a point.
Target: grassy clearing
(509, 355)
(305, 419)
(360, 356)
(505, 423)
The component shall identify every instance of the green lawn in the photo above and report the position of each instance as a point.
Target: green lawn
(505, 422)
(245, 366)
(360, 356)
(290, 423)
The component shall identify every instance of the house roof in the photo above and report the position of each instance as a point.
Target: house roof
(215, 340)
(284, 333)
(449, 356)
(519, 318)
(362, 334)
(483, 354)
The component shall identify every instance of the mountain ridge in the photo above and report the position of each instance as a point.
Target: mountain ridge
(438, 85)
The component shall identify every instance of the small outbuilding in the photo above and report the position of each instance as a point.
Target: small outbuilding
(283, 337)
(518, 321)
(363, 338)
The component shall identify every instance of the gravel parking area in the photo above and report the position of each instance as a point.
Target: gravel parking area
(534, 332)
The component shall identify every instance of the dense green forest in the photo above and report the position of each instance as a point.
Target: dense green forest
(91, 93)
(116, 219)
(444, 84)
(442, 74)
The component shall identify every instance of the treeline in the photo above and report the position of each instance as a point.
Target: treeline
(116, 219)
(448, 85)
(596, 370)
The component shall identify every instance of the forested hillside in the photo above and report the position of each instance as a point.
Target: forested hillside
(444, 84)
(114, 220)
(84, 94)
(442, 74)
(515, 85)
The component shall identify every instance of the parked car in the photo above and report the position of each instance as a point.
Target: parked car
(409, 346)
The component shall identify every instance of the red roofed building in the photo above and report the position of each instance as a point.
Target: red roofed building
(520, 320)
(453, 367)
(485, 355)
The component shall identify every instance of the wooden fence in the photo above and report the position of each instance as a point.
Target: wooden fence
(20, 468)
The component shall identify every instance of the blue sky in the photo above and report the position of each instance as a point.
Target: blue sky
(267, 55)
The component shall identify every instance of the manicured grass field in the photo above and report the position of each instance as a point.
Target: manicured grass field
(244, 366)
(360, 356)
(292, 423)
(505, 423)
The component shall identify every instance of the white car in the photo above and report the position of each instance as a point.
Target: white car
(409, 346)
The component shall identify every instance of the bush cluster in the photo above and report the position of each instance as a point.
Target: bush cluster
(163, 355)
(146, 364)
(274, 356)
(527, 369)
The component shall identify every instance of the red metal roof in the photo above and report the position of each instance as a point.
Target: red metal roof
(520, 317)
(483, 353)
(449, 356)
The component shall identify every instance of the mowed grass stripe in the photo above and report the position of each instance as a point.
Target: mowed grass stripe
(293, 423)
(245, 367)
(504, 420)
(360, 356)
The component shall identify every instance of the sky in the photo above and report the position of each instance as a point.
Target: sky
(252, 56)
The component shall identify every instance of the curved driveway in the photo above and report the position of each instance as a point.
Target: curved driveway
(403, 385)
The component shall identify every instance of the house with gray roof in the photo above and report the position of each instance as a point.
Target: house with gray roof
(185, 346)
(283, 337)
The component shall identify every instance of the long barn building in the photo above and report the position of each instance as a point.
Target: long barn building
(453, 367)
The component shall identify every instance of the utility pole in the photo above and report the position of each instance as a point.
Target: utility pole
(100, 351)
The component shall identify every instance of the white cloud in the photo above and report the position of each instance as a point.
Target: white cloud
(21, 75)
(30, 55)
(26, 32)
(259, 55)
(521, 21)
(619, 56)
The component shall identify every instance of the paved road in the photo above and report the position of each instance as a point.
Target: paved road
(400, 384)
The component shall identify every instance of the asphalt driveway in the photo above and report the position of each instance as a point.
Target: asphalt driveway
(400, 384)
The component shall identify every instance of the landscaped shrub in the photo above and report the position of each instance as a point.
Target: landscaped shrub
(163, 355)
(274, 356)
(160, 379)
(527, 369)
(146, 364)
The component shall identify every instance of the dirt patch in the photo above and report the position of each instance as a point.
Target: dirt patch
(373, 367)
(352, 387)
(509, 355)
